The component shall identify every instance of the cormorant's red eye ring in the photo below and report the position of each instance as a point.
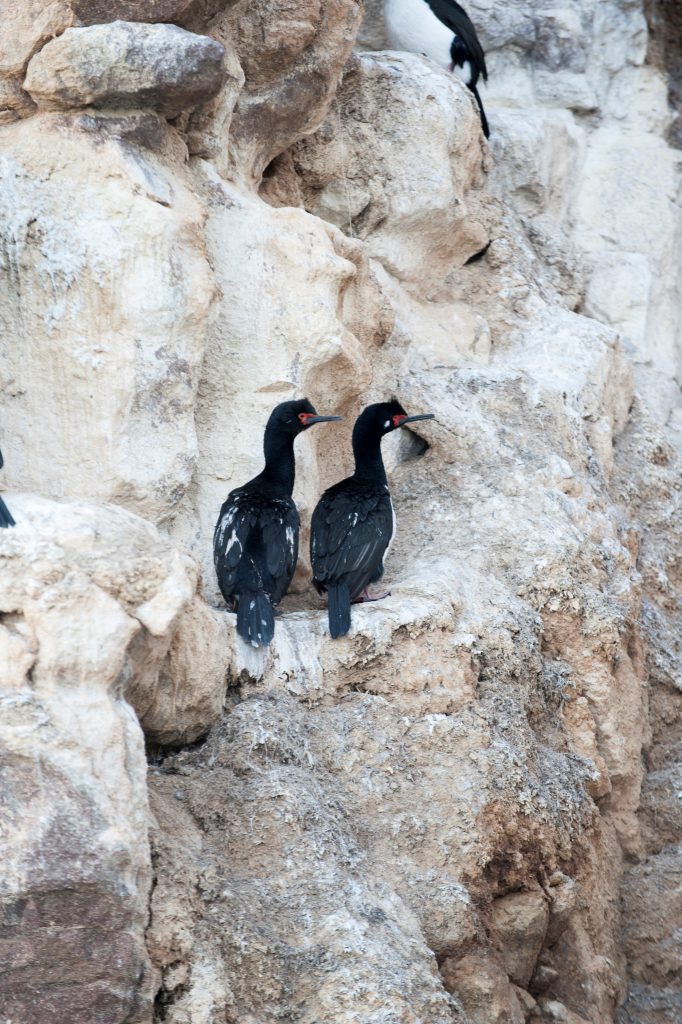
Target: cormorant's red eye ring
(305, 416)
(397, 420)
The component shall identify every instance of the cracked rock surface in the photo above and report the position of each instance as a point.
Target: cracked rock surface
(466, 811)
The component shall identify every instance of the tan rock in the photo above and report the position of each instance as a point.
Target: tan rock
(553, 1010)
(563, 895)
(182, 12)
(291, 74)
(653, 897)
(526, 1000)
(520, 923)
(27, 26)
(483, 989)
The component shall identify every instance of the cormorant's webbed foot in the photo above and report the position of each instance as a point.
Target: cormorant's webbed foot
(365, 596)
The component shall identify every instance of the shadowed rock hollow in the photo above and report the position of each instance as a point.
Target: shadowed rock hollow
(464, 811)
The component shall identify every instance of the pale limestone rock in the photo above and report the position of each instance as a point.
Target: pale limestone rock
(121, 301)
(520, 922)
(157, 640)
(126, 65)
(76, 869)
(371, 179)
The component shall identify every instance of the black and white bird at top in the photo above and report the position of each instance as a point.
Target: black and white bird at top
(5, 515)
(354, 523)
(255, 542)
(443, 31)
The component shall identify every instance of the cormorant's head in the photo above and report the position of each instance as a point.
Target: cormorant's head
(295, 417)
(384, 417)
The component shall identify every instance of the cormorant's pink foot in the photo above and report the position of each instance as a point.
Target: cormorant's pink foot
(365, 596)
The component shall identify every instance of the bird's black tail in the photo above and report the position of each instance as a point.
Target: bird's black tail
(338, 609)
(255, 619)
(484, 119)
(5, 515)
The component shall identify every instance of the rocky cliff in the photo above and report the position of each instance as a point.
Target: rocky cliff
(468, 809)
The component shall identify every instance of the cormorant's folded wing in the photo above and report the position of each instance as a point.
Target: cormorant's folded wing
(264, 532)
(348, 539)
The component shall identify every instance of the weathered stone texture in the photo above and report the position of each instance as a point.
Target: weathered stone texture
(446, 816)
(121, 294)
(126, 65)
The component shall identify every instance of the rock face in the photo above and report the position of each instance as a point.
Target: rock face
(126, 65)
(129, 371)
(91, 599)
(464, 810)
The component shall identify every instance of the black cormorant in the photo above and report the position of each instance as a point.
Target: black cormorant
(353, 523)
(5, 515)
(255, 542)
(443, 31)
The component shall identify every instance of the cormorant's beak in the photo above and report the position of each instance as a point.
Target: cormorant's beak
(321, 419)
(413, 419)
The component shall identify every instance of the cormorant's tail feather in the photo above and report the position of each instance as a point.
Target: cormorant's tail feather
(484, 119)
(338, 609)
(5, 515)
(255, 619)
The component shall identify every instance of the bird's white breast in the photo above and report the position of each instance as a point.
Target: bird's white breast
(411, 25)
(394, 527)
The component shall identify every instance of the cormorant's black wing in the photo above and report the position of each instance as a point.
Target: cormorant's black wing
(348, 538)
(5, 514)
(255, 544)
(457, 19)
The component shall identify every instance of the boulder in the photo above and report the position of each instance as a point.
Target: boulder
(124, 64)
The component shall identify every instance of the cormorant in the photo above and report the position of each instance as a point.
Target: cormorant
(443, 31)
(255, 542)
(353, 523)
(5, 515)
